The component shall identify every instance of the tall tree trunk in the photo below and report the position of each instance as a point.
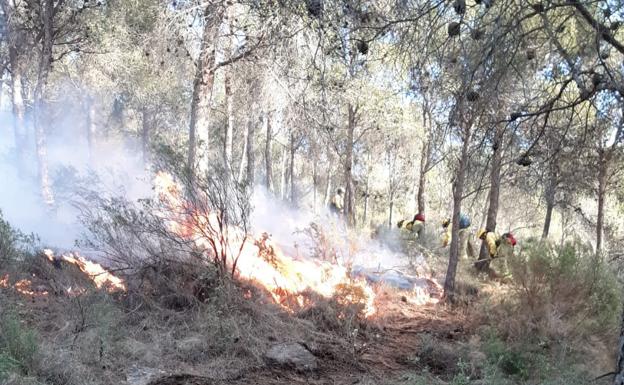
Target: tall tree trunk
(458, 191)
(268, 152)
(349, 204)
(390, 209)
(492, 213)
(45, 62)
(425, 159)
(241, 165)
(291, 171)
(251, 159)
(550, 201)
(314, 186)
(202, 93)
(422, 177)
(229, 127)
(19, 107)
(283, 176)
(602, 192)
(328, 188)
(145, 135)
(366, 191)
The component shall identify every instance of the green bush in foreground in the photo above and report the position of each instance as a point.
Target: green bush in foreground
(18, 347)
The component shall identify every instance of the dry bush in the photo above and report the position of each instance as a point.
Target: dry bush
(561, 299)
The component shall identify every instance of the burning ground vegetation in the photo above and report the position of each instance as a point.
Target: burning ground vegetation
(187, 296)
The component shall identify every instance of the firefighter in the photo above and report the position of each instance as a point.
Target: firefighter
(498, 247)
(466, 248)
(418, 224)
(446, 232)
(336, 205)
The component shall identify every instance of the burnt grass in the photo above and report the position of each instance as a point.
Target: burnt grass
(181, 325)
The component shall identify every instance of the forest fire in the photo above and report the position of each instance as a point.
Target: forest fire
(96, 272)
(259, 259)
(101, 278)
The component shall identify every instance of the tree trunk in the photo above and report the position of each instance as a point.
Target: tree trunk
(268, 153)
(602, 192)
(492, 213)
(328, 188)
(251, 159)
(19, 107)
(202, 93)
(291, 170)
(145, 135)
(314, 186)
(367, 187)
(425, 159)
(283, 176)
(45, 62)
(349, 204)
(458, 191)
(228, 140)
(422, 177)
(390, 210)
(241, 165)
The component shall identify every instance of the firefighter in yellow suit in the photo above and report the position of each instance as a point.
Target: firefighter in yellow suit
(499, 248)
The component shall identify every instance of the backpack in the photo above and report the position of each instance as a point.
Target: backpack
(464, 221)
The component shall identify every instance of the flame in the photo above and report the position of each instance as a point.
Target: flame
(257, 259)
(96, 272)
(24, 286)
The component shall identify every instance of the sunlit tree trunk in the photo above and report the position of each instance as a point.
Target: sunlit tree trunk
(19, 107)
(243, 158)
(495, 176)
(328, 188)
(45, 61)
(291, 169)
(268, 153)
(349, 204)
(251, 155)
(228, 140)
(202, 93)
(458, 191)
(283, 175)
(425, 159)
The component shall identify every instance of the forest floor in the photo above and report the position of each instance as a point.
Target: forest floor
(99, 338)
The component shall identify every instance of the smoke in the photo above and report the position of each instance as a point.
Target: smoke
(291, 230)
(112, 167)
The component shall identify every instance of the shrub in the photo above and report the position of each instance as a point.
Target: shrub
(13, 243)
(561, 293)
(18, 346)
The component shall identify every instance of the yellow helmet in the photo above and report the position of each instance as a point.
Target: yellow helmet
(446, 222)
(481, 232)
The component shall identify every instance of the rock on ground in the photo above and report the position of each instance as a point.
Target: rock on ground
(292, 355)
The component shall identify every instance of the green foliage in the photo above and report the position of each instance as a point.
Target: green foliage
(18, 346)
(13, 243)
(564, 291)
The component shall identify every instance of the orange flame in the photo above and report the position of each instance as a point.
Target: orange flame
(283, 276)
(98, 274)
